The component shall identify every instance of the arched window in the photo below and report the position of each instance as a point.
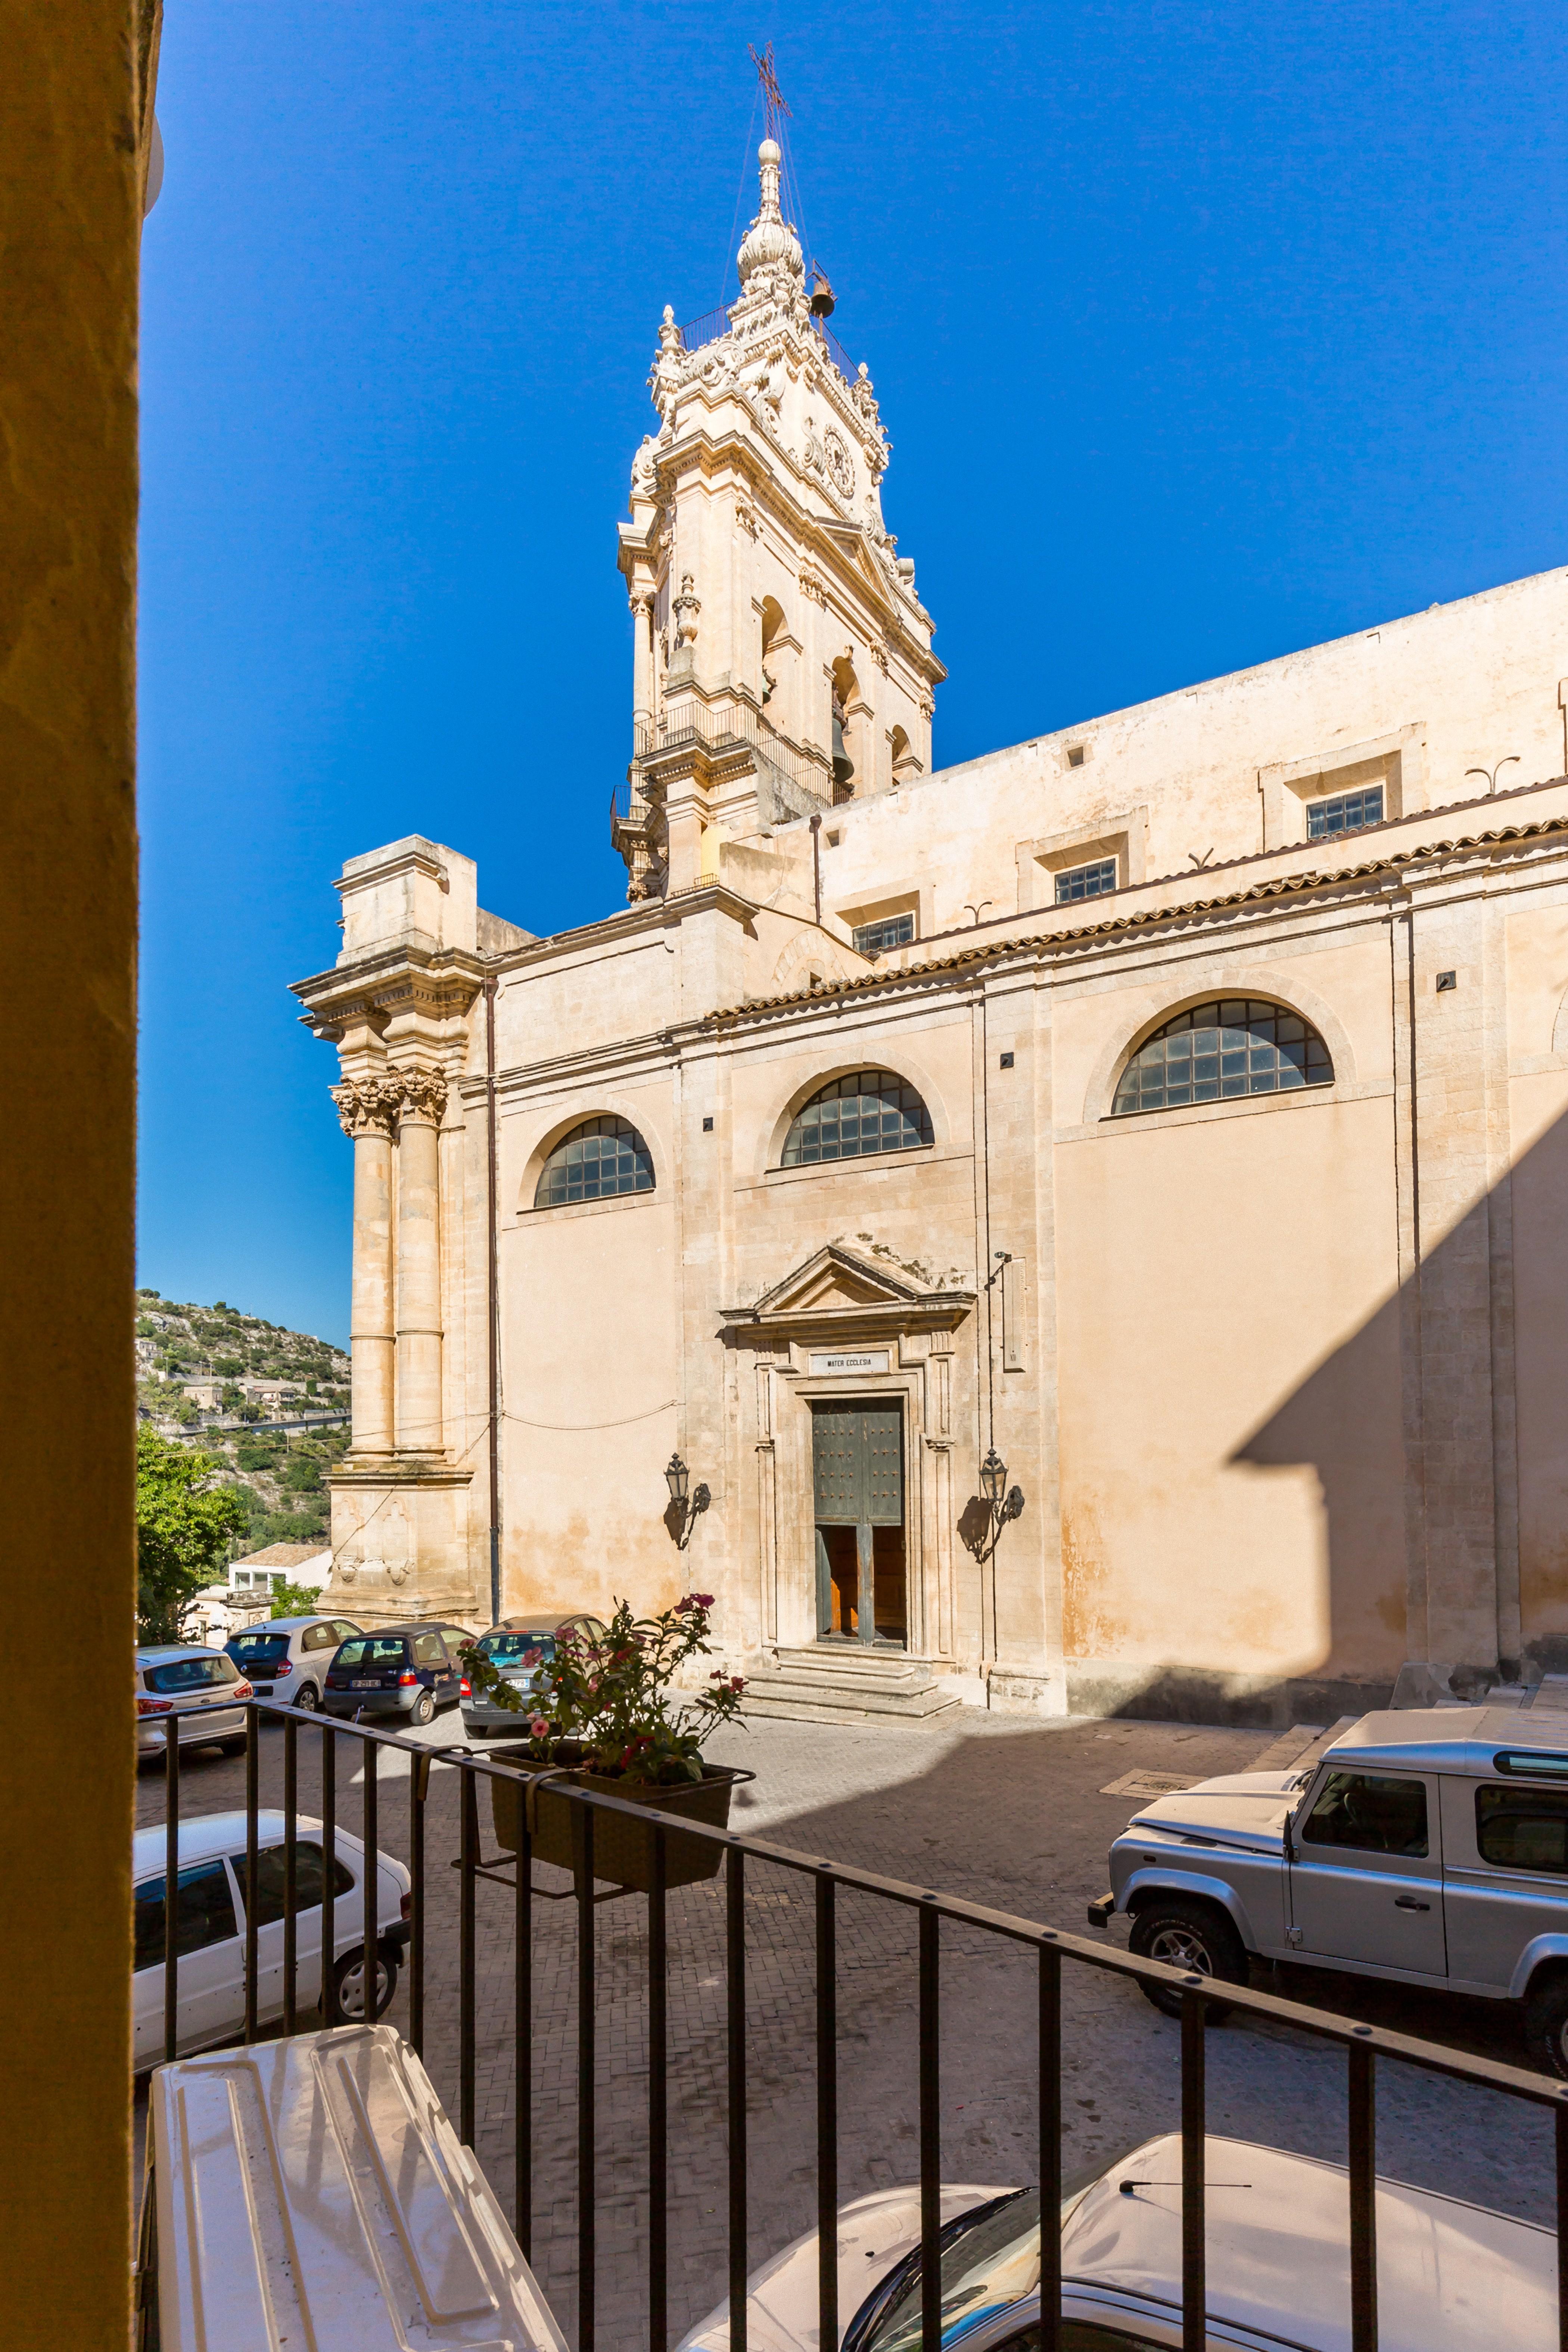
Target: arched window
(1237, 1045)
(872, 1110)
(596, 1161)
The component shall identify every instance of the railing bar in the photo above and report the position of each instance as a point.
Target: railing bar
(418, 1784)
(1362, 2198)
(467, 1853)
(1050, 2148)
(1561, 2137)
(252, 1860)
(827, 2116)
(291, 1874)
(522, 2030)
(587, 2214)
(658, 2101)
(371, 1887)
(930, 2132)
(734, 2003)
(171, 1889)
(331, 2013)
(1194, 2287)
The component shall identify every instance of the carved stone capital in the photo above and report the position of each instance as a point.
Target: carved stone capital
(423, 1094)
(369, 1105)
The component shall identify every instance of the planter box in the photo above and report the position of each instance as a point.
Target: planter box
(622, 1849)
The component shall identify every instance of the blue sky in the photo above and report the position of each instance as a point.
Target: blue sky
(1200, 334)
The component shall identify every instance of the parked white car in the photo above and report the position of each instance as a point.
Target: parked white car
(210, 1927)
(203, 1690)
(1451, 2277)
(1427, 1846)
(287, 1657)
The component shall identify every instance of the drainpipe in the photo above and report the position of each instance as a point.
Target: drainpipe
(494, 1308)
(817, 864)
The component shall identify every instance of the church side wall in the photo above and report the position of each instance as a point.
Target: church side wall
(1209, 773)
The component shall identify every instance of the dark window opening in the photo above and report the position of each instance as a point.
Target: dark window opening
(1370, 1813)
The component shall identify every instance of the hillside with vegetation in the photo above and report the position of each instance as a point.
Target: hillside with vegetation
(276, 1475)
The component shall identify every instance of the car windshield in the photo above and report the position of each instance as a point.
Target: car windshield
(250, 1649)
(989, 2258)
(191, 1673)
(510, 1649)
(373, 1650)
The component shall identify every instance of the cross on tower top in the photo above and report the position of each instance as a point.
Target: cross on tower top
(768, 76)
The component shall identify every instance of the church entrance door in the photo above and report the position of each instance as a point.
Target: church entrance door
(857, 1464)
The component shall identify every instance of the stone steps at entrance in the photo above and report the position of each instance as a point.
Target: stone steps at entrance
(838, 1685)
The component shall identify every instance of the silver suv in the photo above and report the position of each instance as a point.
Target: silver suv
(1429, 1847)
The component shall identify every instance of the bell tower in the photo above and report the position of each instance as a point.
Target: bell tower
(781, 657)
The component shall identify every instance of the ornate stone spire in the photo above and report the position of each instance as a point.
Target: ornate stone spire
(770, 241)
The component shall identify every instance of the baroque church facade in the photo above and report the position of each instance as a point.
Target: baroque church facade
(1092, 1219)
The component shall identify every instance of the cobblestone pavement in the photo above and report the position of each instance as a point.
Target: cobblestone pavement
(1008, 1811)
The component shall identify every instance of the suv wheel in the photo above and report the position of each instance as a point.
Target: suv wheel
(422, 1709)
(1546, 2023)
(1194, 1936)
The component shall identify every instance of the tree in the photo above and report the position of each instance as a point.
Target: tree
(296, 1600)
(182, 1530)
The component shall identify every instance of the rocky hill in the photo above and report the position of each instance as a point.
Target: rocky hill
(215, 1378)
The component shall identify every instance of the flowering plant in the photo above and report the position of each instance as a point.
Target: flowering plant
(609, 1695)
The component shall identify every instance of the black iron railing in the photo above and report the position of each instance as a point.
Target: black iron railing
(1364, 2044)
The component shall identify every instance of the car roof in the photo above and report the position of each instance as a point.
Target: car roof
(1462, 1739)
(1277, 2252)
(157, 1656)
(202, 1835)
(286, 1625)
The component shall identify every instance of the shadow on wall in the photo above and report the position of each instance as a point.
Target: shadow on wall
(1456, 1545)
(1439, 1436)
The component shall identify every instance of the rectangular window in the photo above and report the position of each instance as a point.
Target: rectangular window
(893, 931)
(204, 1913)
(1523, 1829)
(183, 1675)
(1371, 1813)
(271, 1870)
(1345, 812)
(1086, 881)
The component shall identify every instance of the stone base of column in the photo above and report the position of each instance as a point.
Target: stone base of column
(403, 1545)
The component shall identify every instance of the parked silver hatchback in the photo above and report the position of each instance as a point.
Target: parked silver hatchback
(516, 1648)
(203, 1689)
(1430, 1847)
(287, 1657)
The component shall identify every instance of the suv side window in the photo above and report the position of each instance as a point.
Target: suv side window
(1372, 1813)
(1523, 1829)
(427, 1650)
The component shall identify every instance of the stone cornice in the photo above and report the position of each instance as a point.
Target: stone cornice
(1404, 869)
(437, 982)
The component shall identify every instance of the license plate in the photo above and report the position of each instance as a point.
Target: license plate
(372, 1685)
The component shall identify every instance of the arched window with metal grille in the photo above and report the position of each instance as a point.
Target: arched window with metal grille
(870, 1110)
(1234, 1045)
(594, 1162)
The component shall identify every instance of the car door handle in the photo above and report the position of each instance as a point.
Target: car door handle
(1410, 1903)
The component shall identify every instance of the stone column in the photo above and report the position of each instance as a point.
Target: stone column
(418, 1262)
(367, 1110)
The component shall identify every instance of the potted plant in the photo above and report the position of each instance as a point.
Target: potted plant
(602, 1714)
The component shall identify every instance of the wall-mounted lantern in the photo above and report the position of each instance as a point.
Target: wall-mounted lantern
(684, 1512)
(1000, 1503)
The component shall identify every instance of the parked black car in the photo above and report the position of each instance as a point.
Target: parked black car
(399, 1670)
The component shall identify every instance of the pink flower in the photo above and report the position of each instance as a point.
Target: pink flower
(702, 1599)
(539, 1727)
(737, 1682)
(532, 1657)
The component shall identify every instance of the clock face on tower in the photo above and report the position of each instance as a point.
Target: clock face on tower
(840, 463)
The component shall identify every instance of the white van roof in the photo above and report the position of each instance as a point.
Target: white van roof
(312, 2191)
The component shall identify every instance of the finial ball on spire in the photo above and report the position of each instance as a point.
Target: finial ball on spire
(770, 152)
